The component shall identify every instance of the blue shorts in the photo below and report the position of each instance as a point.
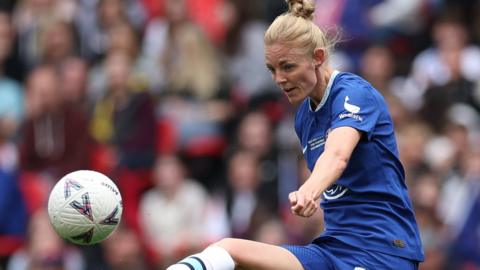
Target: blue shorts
(331, 254)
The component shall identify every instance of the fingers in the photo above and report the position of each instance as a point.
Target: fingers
(310, 210)
(301, 205)
(292, 197)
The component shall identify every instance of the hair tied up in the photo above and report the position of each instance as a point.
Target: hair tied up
(301, 8)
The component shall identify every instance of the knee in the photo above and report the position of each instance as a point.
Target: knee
(232, 246)
(226, 243)
(235, 247)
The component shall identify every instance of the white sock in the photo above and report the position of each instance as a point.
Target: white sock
(212, 258)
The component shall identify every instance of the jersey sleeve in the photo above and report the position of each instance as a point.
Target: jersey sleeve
(355, 107)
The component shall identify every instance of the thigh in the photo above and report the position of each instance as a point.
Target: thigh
(259, 256)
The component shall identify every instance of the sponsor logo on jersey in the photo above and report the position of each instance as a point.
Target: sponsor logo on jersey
(353, 110)
(335, 192)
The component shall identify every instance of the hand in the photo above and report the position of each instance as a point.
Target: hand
(303, 203)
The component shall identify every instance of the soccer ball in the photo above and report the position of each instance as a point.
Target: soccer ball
(85, 207)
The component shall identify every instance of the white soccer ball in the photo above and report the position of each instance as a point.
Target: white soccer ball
(85, 207)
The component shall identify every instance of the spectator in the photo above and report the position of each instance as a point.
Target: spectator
(459, 204)
(124, 128)
(377, 66)
(156, 39)
(95, 18)
(121, 38)
(123, 250)
(123, 120)
(244, 50)
(181, 200)
(44, 249)
(208, 15)
(51, 145)
(73, 75)
(57, 42)
(425, 193)
(13, 216)
(255, 134)
(30, 16)
(11, 92)
(272, 232)
(242, 197)
(412, 139)
(405, 17)
(451, 57)
(196, 100)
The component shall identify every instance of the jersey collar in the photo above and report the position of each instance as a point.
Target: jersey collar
(327, 92)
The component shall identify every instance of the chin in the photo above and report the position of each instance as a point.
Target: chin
(295, 100)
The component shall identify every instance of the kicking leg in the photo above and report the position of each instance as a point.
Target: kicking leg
(231, 253)
(259, 256)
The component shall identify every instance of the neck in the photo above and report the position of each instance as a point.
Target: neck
(323, 74)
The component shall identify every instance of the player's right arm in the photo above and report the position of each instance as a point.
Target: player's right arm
(329, 167)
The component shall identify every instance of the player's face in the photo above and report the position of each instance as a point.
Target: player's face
(292, 70)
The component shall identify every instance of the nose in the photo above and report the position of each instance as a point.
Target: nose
(280, 78)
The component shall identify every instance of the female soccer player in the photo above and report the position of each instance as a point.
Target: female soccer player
(347, 138)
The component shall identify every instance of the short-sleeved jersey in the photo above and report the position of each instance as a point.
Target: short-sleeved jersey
(368, 206)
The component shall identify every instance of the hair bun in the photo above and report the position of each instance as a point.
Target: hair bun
(301, 8)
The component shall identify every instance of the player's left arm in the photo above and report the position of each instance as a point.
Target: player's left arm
(329, 167)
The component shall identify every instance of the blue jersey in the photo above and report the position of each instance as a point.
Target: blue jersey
(368, 206)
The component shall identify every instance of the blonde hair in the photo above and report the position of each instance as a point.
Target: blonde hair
(196, 67)
(296, 28)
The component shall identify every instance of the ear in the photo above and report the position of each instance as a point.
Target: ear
(319, 56)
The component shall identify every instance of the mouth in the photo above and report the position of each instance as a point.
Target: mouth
(288, 90)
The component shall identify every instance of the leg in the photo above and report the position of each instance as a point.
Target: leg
(259, 256)
(231, 253)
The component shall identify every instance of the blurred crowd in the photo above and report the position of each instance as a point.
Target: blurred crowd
(172, 100)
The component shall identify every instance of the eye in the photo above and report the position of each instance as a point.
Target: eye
(288, 67)
(271, 69)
